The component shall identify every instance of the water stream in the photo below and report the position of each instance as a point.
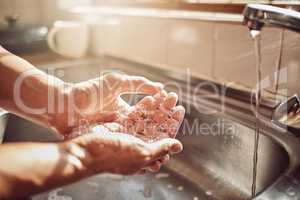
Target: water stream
(279, 59)
(257, 51)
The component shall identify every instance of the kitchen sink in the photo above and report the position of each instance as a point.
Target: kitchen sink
(217, 161)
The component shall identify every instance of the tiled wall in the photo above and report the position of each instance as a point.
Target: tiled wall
(215, 49)
(35, 11)
(220, 50)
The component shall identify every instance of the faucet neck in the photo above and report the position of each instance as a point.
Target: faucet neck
(258, 15)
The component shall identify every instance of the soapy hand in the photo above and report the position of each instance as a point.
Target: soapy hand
(119, 153)
(98, 100)
(152, 119)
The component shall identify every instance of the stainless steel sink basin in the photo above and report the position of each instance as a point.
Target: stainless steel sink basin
(216, 162)
(166, 185)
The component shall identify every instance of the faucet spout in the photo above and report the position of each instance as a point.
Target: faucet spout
(258, 15)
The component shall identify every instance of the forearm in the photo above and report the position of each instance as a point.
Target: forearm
(29, 92)
(29, 168)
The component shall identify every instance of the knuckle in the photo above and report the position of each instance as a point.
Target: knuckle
(113, 76)
(143, 79)
(145, 155)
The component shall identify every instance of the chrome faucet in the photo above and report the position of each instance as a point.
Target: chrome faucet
(258, 15)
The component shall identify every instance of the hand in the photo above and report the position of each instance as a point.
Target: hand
(151, 119)
(119, 153)
(29, 171)
(98, 100)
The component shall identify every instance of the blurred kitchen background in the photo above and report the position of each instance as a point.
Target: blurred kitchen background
(208, 39)
(164, 40)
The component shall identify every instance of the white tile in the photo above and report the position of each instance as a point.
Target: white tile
(134, 38)
(145, 39)
(190, 46)
(113, 39)
(50, 12)
(291, 61)
(235, 59)
(98, 37)
(28, 10)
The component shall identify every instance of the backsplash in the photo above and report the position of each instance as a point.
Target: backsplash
(34, 11)
(222, 50)
(28, 10)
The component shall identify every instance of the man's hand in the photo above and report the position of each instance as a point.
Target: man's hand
(153, 118)
(31, 168)
(119, 153)
(53, 103)
(98, 100)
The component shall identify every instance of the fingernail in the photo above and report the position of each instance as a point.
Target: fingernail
(173, 94)
(176, 148)
(181, 112)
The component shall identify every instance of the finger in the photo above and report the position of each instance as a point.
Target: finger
(161, 160)
(159, 116)
(155, 167)
(147, 102)
(172, 129)
(140, 84)
(161, 96)
(170, 101)
(165, 159)
(163, 147)
(178, 113)
(111, 81)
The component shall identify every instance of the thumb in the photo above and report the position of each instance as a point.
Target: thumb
(165, 146)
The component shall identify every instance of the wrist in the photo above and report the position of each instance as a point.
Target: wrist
(58, 112)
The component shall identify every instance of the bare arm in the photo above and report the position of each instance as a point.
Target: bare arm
(34, 167)
(24, 90)
(29, 168)
(51, 102)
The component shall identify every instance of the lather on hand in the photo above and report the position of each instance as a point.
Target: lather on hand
(31, 167)
(151, 119)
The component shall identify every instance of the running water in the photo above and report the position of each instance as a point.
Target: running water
(257, 50)
(278, 64)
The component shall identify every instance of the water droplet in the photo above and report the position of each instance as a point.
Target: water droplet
(147, 192)
(180, 188)
(162, 175)
(291, 191)
(254, 33)
(208, 193)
